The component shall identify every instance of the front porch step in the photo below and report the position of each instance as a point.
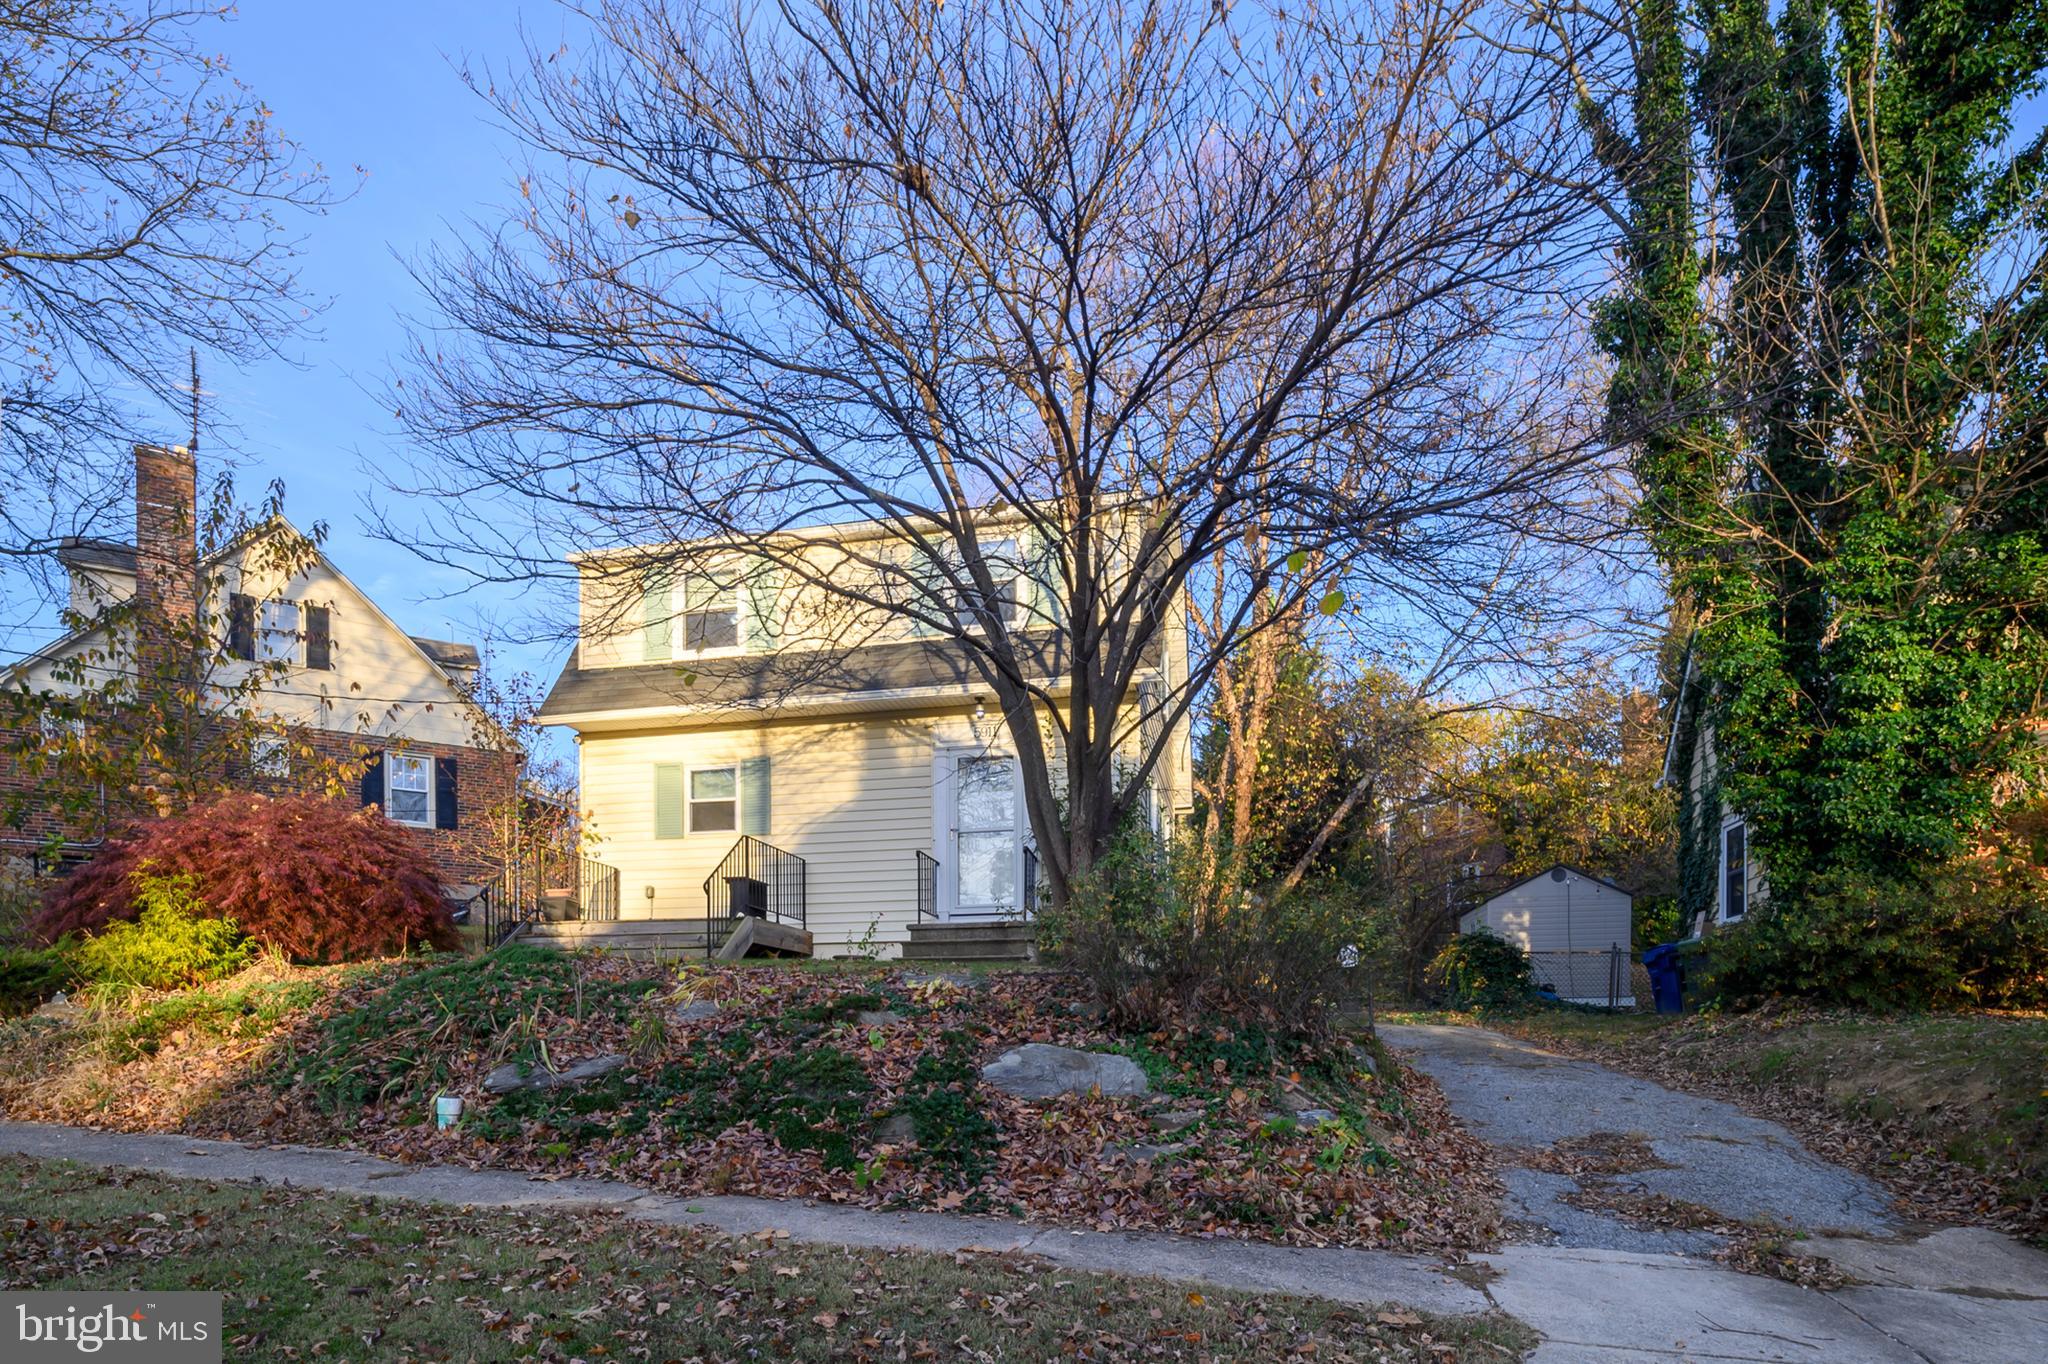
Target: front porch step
(970, 942)
(669, 938)
(630, 937)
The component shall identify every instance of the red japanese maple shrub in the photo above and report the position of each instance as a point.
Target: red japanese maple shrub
(317, 880)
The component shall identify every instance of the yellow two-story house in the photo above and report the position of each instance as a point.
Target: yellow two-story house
(759, 734)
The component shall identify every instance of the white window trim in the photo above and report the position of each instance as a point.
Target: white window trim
(1721, 878)
(690, 829)
(295, 654)
(427, 763)
(679, 622)
(270, 757)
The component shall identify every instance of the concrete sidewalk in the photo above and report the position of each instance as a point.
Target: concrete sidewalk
(1366, 1277)
(1592, 1306)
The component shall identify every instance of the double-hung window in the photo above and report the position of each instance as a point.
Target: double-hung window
(277, 633)
(270, 756)
(1734, 872)
(711, 614)
(714, 800)
(1006, 569)
(409, 789)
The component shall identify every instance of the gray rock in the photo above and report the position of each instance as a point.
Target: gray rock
(1178, 1120)
(697, 1009)
(1314, 1117)
(896, 1130)
(1078, 1008)
(507, 1078)
(1038, 1070)
(877, 1018)
(1148, 1151)
(1294, 1101)
(963, 980)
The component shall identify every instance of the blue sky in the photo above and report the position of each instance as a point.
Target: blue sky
(372, 83)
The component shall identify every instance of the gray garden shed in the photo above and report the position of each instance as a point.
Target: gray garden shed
(1568, 921)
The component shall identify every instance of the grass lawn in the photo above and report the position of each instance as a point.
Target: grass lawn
(308, 1276)
(1951, 1109)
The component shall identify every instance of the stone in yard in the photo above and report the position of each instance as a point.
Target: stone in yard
(896, 1130)
(1179, 1120)
(1294, 1101)
(877, 1018)
(961, 980)
(507, 1078)
(1148, 1151)
(1304, 1118)
(697, 1009)
(1038, 1070)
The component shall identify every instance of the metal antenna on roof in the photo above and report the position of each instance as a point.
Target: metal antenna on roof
(193, 444)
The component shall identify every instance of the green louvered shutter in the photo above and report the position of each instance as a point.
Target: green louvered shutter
(928, 584)
(657, 616)
(757, 802)
(764, 607)
(1043, 609)
(668, 800)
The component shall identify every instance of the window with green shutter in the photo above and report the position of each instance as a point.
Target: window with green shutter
(668, 800)
(657, 615)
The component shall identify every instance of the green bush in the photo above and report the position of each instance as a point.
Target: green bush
(29, 976)
(1159, 958)
(1483, 972)
(169, 945)
(1972, 935)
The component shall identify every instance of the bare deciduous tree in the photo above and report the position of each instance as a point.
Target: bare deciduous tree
(142, 197)
(1143, 282)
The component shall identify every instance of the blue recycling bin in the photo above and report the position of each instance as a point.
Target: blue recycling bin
(1667, 979)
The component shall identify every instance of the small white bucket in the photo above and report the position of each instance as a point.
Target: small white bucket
(447, 1110)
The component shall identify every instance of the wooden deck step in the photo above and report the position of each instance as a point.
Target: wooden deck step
(971, 942)
(670, 938)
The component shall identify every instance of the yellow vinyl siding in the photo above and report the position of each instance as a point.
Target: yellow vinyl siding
(853, 798)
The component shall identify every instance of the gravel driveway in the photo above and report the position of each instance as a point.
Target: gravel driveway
(1526, 1100)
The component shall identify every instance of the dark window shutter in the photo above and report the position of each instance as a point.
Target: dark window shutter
(373, 782)
(241, 625)
(444, 793)
(319, 638)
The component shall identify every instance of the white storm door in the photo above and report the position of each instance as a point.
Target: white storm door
(984, 836)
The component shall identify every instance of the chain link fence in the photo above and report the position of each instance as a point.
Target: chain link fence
(1604, 976)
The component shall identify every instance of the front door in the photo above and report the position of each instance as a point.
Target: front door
(984, 836)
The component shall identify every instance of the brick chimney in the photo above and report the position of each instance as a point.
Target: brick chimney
(166, 533)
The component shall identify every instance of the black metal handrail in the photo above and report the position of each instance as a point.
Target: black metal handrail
(598, 891)
(758, 879)
(1028, 901)
(927, 886)
(505, 913)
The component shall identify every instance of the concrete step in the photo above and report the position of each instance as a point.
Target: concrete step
(959, 932)
(930, 951)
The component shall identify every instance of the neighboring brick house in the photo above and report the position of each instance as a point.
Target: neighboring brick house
(388, 709)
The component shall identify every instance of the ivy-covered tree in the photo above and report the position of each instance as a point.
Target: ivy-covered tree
(1830, 363)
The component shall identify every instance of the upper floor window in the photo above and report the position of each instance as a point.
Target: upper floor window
(277, 632)
(408, 789)
(280, 631)
(711, 614)
(1006, 569)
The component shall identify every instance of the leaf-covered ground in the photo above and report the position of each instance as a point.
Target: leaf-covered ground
(784, 1091)
(314, 1276)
